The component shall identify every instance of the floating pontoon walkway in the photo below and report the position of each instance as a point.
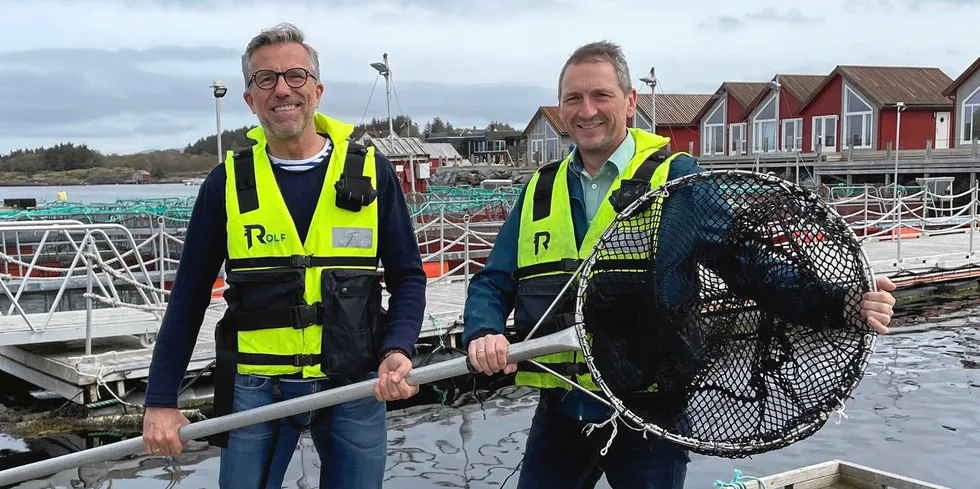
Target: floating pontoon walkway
(121, 346)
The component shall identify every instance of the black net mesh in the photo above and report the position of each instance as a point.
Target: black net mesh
(737, 297)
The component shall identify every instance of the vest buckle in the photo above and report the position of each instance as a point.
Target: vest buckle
(569, 264)
(300, 261)
(628, 192)
(306, 316)
(354, 192)
(303, 360)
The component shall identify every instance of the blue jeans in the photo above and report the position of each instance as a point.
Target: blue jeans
(560, 455)
(351, 439)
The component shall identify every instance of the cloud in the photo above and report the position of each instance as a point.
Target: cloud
(728, 23)
(84, 93)
(127, 75)
(792, 16)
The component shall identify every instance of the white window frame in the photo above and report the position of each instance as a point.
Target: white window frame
(743, 138)
(641, 122)
(867, 121)
(813, 132)
(707, 142)
(757, 124)
(964, 140)
(797, 140)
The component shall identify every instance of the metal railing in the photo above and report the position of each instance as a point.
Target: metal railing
(126, 267)
(121, 270)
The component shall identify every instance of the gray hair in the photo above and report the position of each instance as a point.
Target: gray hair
(601, 51)
(283, 33)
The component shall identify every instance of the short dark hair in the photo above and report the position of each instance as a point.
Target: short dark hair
(601, 51)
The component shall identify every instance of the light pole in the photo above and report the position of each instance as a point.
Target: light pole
(651, 80)
(385, 71)
(899, 107)
(219, 90)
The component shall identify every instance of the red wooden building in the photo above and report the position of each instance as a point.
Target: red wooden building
(857, 106)
(770, 121)
(414, 160)
(720, 122)
(676, 118)
(965, 93)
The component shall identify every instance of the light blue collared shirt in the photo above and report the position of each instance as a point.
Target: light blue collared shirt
(595, 188)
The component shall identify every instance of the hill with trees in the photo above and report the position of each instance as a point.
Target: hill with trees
(76, 164)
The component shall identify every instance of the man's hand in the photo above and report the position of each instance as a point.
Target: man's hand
(488, 354)
(876, 307)
(160, 426)
(391, 383)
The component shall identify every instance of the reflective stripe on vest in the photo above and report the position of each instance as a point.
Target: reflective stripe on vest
(264, 250)
(546, 242)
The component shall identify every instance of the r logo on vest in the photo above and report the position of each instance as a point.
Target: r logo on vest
(261, 235)
(538, 241)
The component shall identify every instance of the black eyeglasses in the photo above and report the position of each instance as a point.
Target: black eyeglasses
(268, 79)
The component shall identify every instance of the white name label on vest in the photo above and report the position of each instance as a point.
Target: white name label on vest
(343, 237)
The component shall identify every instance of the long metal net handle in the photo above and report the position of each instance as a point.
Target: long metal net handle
(562, 341)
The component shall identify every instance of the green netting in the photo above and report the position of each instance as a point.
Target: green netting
(120, 210)
(454, 201)
(451, 201)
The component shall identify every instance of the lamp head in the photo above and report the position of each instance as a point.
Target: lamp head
(219, 89)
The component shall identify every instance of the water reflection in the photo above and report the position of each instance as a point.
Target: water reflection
(914, 414)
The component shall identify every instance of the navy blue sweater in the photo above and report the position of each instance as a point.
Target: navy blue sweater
(205, 251)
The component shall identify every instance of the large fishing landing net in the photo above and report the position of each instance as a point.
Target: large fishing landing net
(722, 312)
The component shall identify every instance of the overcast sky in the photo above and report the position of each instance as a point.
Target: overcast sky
(127, 76)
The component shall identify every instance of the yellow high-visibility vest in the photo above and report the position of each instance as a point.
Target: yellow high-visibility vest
(547, 253)
(308, 307)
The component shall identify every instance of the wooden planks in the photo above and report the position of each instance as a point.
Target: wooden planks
(62, 366)
(71, 325)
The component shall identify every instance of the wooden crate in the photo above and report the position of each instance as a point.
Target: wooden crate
(837, 474)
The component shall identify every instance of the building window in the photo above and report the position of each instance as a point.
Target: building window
(971, 117)
(713, 141)
(857, 120)
(764, 128)
(641, 122)
(543, 144)
(824, 134)
(736, 139)
(793, 135)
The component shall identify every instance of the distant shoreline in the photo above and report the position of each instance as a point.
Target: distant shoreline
(76, 184)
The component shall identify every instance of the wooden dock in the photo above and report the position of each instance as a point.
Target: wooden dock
(119, 360)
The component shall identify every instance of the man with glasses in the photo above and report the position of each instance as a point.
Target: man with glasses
(300, 221)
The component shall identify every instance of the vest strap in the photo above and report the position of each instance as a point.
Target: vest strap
(298, 317)
(568, 369)
(543, 190)
(354, 190)
(621, 264)
(300, 261)
(631, 189)
(565, 265)
(248, 192)
(298, 360)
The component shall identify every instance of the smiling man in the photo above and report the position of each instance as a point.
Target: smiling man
(300, 221)
(542, 242)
